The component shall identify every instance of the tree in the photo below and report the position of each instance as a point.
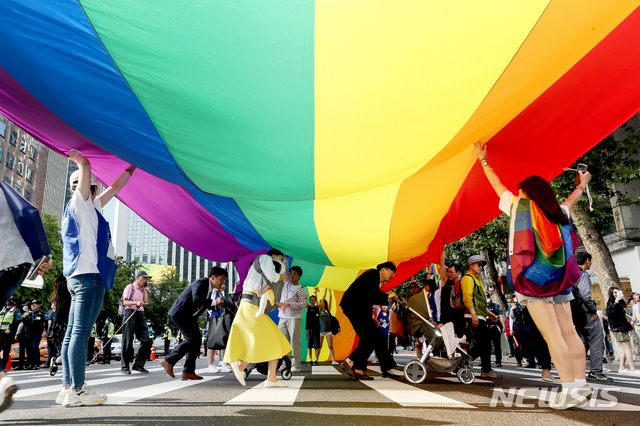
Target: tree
(609, 162)
(164, 290)
(125, 275)
(490, 241)
(55, 243)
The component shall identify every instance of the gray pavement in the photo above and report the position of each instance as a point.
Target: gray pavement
(316, 396)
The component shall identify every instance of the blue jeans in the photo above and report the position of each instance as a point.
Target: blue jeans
(87, 293)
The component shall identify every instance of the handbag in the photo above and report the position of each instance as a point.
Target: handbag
(28, 222)
(220, 326)
(219, 329)
(396, 321)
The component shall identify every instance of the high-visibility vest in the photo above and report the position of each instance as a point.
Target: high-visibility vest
(6, 317)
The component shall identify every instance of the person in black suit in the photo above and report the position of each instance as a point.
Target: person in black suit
(184, 313)
(357, 304)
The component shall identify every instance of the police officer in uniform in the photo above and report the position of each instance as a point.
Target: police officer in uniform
(9, 320)
(20, 336)
(167, 339)
(107, 333)
(34, 323)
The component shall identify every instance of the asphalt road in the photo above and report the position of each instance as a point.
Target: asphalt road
(318, 395)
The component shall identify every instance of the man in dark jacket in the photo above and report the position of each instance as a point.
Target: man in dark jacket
(184, 313)
(590, 329)
(357, 305)
(33, 322)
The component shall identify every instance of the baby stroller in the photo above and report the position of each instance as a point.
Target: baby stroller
(461, 364)
(284, 367)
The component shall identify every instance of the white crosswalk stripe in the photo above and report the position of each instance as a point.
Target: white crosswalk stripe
(455, 380)
(325, 370)
(259, 395)
(55, 388)
(410, 396)
(135, 394)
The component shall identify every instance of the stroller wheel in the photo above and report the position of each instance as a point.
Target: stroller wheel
(466, 375)
(286, 374)
(415, 371)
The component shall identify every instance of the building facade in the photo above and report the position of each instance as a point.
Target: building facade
(136, 240)
(24, 162)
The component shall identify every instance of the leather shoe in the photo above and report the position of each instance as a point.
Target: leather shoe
(363, 376)
(190, 376)
(167, 367)
(349, 369)
(390, 375)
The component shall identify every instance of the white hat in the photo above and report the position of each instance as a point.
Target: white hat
(76, 175)
(476, 259)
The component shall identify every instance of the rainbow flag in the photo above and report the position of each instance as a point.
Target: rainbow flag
(541, 262)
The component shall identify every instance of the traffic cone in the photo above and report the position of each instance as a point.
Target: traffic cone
(153, 353)
(9, 364)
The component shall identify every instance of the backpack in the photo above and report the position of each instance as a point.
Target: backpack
(121, 308)
(577, 313)
(456, 299)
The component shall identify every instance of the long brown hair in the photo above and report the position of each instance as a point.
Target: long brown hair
(539, 190)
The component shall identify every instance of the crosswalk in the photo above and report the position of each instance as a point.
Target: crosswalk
(437, 391)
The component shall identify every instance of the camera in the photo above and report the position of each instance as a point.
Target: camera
(581, 169)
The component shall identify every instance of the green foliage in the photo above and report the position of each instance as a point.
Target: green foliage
(162, 293)
(55, 242)
(492, 238)
(124, 276)
(610, 161)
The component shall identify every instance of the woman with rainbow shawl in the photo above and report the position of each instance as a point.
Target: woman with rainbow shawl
(542, 271)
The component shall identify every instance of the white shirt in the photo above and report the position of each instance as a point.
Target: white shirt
(87, 221)
(254, 279)
(13, 250)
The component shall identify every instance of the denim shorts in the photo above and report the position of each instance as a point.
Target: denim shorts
(558, 299)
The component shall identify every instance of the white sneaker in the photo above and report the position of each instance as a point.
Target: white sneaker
(565, 401)
(295, 370)
(335, 363)
(624, 371)
(585, 391)
(8, 388)
(83, 397)
(61, 395)
(635, 372)
(278, 384)
(212, 369)
(225, 368)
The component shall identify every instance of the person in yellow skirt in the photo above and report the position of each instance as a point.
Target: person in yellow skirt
(257, 339)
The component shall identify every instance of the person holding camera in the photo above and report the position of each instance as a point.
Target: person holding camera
(135, 298)
(543, 280)
(620, 327)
